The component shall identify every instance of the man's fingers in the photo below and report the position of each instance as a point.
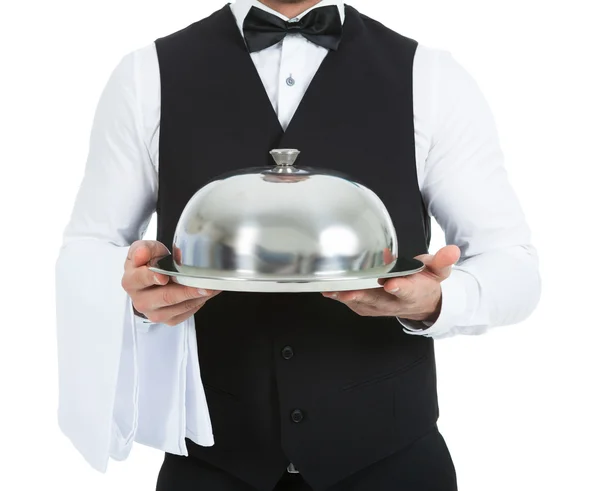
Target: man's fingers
(369, 298)
(141, 278)
(177, 313)
(170, 315)
(399, 287)
(165, 296)
(182, 317)
(372, 298)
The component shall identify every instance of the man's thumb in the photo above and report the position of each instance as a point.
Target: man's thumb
(142, 252)
(441, 264)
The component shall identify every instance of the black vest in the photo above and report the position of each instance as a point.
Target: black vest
(299, 377)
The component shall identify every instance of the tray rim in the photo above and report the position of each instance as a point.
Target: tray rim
(280, 285)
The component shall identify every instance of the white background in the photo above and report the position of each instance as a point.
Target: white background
(519, 405)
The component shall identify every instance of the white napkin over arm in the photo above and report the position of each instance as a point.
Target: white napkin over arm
(120, 379)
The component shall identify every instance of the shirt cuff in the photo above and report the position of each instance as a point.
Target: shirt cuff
(140, 323)
(141, 320)
(460, 291)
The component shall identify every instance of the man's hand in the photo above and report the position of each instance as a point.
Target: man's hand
(153, 294)
(416, 297)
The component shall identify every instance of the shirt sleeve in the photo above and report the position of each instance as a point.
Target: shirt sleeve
(95, 325)
(467, 190)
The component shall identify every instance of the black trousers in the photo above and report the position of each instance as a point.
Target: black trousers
(424, 466)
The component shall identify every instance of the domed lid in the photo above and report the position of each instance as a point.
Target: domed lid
(286, 224)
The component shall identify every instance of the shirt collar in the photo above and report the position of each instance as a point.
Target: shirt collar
(240, 9)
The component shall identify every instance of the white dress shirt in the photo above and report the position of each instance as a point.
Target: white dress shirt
(124, 380)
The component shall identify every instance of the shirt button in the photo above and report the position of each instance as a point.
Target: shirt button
(290, 81)
(297, 415)
(287, 352)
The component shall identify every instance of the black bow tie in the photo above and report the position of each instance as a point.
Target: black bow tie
(321, 26)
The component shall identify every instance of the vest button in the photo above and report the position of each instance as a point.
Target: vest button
(287, 352)
(297, 415)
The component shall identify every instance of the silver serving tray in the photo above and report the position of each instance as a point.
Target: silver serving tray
(166, 266)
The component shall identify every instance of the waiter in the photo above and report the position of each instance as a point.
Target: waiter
(245, 391)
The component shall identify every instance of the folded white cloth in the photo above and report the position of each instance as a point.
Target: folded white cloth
(108, 369)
